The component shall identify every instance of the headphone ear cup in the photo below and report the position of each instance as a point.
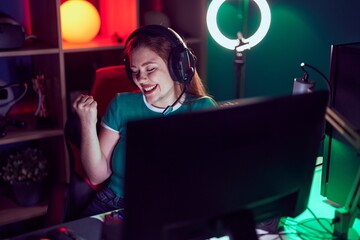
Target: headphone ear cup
(181, 64)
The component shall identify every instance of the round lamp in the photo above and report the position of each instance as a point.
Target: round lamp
(80, 21)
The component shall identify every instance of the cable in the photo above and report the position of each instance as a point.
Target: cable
(302, 65)
(306, 76)
(304, 229)
(169, 108)
(317, 219)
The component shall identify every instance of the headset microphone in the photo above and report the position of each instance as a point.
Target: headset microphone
(170, 108)
(167, 110)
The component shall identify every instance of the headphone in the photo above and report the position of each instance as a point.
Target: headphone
(181, 62)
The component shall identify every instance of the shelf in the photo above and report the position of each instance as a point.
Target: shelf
(30, 49)
(99, 44)
(14, 137)
(15, 134)
(102, 44)
(29, 52)
(11, 212)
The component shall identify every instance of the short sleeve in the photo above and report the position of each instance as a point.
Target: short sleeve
(112, 118)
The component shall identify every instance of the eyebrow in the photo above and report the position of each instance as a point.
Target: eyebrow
(146, 63)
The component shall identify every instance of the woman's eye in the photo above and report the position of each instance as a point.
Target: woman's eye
(150, 69)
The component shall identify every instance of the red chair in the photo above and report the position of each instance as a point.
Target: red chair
(108, 82)
(72, 202)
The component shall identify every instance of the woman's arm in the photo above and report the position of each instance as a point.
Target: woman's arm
(95, 149)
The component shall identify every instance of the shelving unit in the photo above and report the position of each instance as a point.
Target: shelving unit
(21, 65)
(70, 68)
(48, 55)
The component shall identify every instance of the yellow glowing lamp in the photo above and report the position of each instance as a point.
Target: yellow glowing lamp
(80, 21)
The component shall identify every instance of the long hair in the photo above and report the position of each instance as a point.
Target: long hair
(162, 46)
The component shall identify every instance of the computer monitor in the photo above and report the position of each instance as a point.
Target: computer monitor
(340, 182)
(188, 174)
(341, 160)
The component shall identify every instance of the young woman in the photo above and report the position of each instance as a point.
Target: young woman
(163, 68)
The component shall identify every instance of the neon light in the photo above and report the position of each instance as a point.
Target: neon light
(233, 43)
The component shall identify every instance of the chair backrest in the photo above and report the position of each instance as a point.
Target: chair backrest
(108, 82)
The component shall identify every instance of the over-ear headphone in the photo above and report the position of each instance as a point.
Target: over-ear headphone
(181, 62)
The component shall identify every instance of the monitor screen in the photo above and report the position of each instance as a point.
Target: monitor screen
(187, 174)
(341, 159)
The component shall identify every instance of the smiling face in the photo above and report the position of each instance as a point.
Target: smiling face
(150, 73)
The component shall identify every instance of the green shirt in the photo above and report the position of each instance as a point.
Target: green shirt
(132, 106)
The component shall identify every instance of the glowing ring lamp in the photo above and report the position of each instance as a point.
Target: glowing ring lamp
(234, 43)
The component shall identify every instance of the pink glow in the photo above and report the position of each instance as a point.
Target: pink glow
(118, 17)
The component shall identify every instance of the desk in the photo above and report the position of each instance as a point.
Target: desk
(91, 228)
(321, 209)
(87, 228)
(317, 204)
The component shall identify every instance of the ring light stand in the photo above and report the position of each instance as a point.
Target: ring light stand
(240, 43)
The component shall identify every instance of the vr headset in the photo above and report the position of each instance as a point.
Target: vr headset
(12, 34)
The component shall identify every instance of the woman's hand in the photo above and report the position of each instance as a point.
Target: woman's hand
(86, 107)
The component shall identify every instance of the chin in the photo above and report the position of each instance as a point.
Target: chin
(150, 100)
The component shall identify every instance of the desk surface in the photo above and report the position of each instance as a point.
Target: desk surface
(91, 228)
(87, 228)
(321, 209)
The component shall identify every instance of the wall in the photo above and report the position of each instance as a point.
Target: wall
(300, 31)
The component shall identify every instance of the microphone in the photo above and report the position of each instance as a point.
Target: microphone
(170, 108)
(303, 84)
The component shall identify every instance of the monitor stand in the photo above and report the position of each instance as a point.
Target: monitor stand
(236, 226)
(240, 225)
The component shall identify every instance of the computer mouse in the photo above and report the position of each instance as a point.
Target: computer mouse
(62, 233)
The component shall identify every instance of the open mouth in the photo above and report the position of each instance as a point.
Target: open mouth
(149, 90)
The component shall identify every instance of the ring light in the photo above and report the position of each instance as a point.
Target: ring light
(234, 43)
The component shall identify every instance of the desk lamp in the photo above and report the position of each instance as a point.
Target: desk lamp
(344, 216)
(240, 43)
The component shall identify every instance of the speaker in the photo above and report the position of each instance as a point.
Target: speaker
(12, 34)
(181, 62)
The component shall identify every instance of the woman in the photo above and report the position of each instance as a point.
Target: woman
(163, 68)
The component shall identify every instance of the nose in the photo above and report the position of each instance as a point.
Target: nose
(142, 76)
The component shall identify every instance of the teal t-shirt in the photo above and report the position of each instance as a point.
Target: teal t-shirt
(132, 106)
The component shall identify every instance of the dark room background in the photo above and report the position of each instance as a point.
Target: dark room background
(300, 31)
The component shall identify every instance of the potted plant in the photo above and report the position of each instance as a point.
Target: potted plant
(25, 170)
